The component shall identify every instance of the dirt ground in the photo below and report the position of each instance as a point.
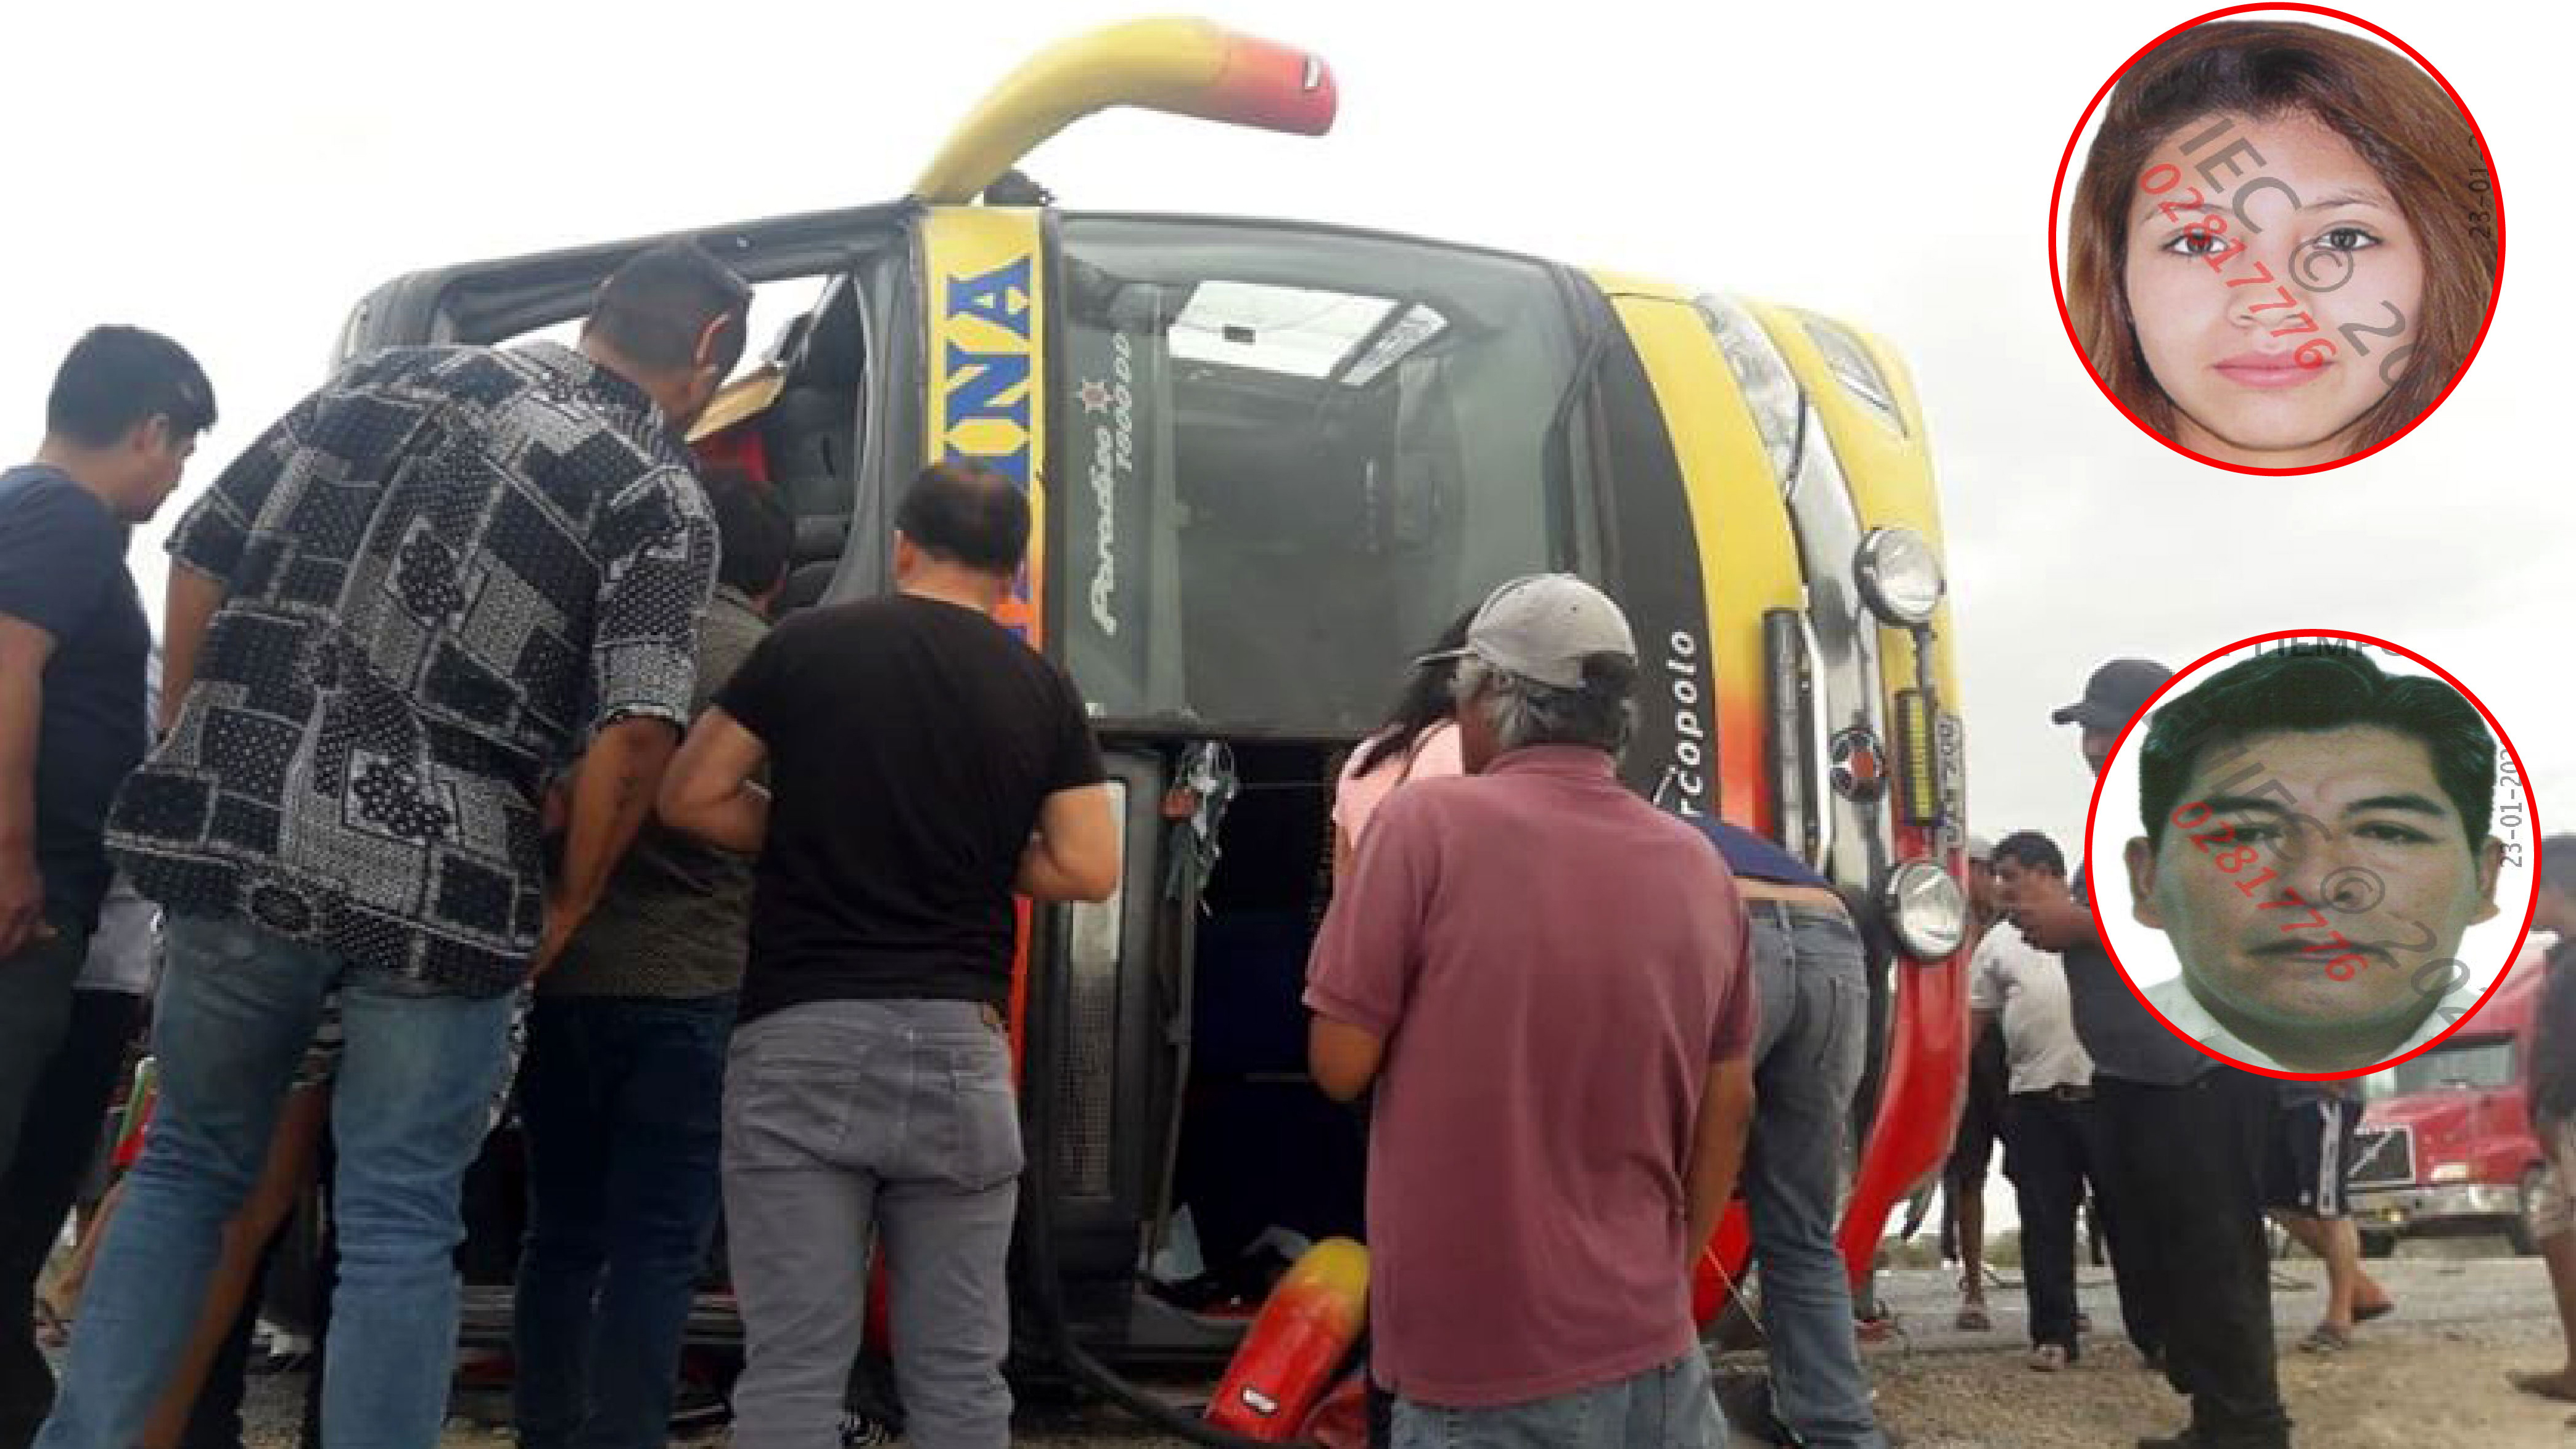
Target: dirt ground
(2402, 1388)
(2432, 1377)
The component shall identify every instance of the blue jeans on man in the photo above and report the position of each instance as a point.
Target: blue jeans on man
(236, 1010)
(621, 1101)
(1811, 971)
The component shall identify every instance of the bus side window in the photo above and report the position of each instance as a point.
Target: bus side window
(812, 438)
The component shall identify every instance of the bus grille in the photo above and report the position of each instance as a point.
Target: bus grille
(2383, 1157)
(1090, 1084)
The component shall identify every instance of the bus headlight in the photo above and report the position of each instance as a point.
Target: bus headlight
(1770, 389)
(1899, 576)
(1927, 909)
(1847, 358)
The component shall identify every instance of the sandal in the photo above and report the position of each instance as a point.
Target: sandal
(1973, 1318)
(2326, 1338)
(2048, 1358)
(51, 1329)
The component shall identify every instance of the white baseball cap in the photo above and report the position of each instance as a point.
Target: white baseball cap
(1542, 628)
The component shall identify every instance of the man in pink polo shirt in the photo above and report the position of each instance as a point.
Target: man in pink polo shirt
(1544, 976)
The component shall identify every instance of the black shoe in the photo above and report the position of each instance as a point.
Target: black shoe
(2194, 1439)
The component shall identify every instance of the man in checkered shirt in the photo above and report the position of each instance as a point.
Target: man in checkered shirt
(447, 579)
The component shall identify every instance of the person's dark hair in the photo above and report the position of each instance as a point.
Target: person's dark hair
(1601, 715)
(117, 377)
(2031, 851)
(1426, 700)
(2558, 863)
(2407, 129)
(653, 309)
(2311, 689)
(755, 536)
(964, 514)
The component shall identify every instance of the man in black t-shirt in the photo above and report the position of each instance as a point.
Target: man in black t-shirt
(2182, 1141)
(924, 764)
(2549, 1093)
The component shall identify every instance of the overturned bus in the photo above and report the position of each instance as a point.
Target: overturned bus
(1270, 459)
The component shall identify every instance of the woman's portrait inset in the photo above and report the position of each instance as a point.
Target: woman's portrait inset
(2283, 244)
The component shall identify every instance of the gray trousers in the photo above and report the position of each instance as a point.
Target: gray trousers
(35, 1010)
(844, 1117)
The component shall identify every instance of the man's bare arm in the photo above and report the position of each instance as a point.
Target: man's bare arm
(1074, 856)
(1343, 1058)
(1717, 1148)
(612, 792)
(710, 792)
(24, 649)
(188, 611)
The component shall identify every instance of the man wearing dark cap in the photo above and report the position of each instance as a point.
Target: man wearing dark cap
(445, 579)
(2112, 697)
(2182, 1142)
(2549, 1100)
(1545, 977)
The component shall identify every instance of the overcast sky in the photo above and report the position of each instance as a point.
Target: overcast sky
(239, 175)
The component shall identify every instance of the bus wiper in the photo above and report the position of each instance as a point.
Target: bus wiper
(1560, 433)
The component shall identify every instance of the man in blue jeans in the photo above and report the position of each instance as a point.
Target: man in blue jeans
(621, 1090)
(447, 575)
(1811, 981)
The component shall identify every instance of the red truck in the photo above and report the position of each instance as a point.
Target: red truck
(2447, 1149)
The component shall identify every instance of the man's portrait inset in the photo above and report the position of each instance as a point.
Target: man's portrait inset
(2317, 845)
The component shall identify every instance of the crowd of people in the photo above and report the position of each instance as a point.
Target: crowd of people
(2182, 1156)
(478, 773)
(424, 834)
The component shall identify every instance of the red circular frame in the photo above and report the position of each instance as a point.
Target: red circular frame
(2057, 282)
(2093, 880)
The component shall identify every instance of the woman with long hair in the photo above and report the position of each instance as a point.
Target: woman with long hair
(1419, 740)
(2283, 245)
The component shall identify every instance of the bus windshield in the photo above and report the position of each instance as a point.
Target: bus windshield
(1291, 458)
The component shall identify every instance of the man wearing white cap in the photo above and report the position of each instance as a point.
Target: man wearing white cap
(1545, 977)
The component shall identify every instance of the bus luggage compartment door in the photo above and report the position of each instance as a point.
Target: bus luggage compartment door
(1106, 1048)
